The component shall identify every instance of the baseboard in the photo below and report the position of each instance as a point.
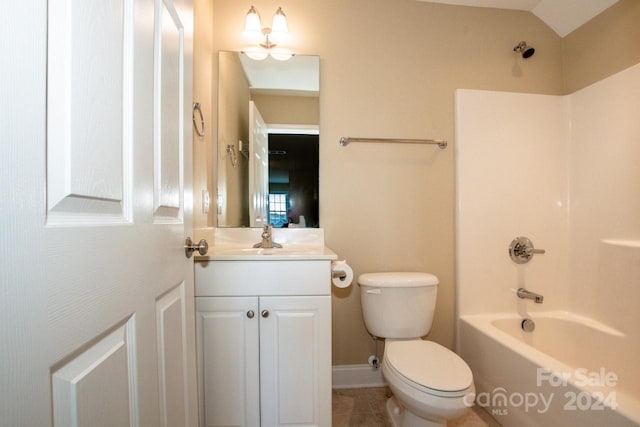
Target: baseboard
(357, 376)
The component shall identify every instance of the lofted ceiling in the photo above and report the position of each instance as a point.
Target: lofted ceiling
(563, 16)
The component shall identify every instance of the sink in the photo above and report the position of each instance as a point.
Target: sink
(237, 245)
(289, 252)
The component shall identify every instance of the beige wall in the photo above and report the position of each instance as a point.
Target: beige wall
(298, 110)
(389, 68)
(233, 126)
(202, 70)
(608, 43)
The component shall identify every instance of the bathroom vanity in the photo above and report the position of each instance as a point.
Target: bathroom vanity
(263, 324)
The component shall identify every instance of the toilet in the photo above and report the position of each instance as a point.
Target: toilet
(431, 384)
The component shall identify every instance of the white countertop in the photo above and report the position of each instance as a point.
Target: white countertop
(237, 245)
(288, 252)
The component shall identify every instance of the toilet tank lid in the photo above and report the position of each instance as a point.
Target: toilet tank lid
(398, 280)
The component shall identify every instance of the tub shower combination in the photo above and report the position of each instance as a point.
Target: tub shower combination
(550, 368)
(552, 340)
(546, 377)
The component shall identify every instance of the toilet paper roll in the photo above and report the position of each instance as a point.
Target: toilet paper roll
(342, 274)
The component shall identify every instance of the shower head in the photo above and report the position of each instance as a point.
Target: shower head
(526, 51)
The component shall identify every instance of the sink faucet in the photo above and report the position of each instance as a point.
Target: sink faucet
(267, 240)
(523, 293)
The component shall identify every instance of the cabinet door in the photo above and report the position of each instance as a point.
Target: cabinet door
(295, 361)
(228, 361)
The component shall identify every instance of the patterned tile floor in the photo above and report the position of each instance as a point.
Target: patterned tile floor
(366, 407)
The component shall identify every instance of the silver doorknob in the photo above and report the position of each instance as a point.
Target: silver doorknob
(189, 247)
(265, 313)
(250, 314)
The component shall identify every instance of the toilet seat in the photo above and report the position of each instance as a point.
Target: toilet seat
(429, 367)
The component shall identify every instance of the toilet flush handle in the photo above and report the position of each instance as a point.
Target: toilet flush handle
(374, 291)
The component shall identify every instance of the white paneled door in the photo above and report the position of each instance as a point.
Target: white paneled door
(258, 168)
(96, 299)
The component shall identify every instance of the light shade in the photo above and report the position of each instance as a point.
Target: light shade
(252, 26)
(266, 38)
(281, 54)
(279, 28)
(257, 53)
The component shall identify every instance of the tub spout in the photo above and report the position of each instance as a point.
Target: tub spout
(523, 293)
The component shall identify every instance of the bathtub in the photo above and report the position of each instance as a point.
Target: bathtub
(570, 371)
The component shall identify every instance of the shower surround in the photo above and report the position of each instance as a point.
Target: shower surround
(563, 171)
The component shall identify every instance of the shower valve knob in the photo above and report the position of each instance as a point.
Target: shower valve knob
(521, 250)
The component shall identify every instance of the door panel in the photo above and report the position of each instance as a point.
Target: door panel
(228, 358)
(258, 168)
(169, 93)
(295, 366)
(95, 310)
(97, 386)
(172, 357)
(89, 67)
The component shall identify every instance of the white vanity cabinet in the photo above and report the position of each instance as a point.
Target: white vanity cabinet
(264, 342)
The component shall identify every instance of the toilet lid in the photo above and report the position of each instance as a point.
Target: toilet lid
(429, 364)
(398, 280)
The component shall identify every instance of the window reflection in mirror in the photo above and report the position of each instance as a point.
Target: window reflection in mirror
(268, 133)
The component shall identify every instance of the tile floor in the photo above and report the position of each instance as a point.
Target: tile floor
(366, 407)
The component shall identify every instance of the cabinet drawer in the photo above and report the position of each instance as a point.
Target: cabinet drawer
(239, 278)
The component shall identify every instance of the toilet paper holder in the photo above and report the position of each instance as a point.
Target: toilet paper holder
(339, 274)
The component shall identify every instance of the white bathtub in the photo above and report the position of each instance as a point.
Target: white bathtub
(570, 371)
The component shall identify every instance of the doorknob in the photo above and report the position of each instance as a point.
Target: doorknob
(189, 247)
(265, 313)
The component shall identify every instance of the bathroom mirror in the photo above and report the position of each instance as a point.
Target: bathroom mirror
(267, 145)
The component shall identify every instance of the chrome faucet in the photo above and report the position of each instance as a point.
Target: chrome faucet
(523, 293)
(267, 239)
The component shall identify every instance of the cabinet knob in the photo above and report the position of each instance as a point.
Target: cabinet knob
(265, 313)
(250, 314)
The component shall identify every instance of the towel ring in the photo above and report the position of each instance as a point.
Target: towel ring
(196, 107)
(231, 150)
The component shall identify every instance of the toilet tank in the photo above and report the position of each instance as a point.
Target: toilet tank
(398, 305)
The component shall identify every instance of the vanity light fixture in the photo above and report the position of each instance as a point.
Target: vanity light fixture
(266, 38)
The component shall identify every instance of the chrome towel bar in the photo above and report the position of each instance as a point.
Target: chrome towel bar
(345, 140)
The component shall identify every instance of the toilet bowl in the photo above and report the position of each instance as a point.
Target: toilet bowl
(431, 384)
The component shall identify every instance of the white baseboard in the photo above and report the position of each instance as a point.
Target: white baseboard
(357, 376)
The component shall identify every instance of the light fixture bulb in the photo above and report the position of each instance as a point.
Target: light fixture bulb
(279, 27)
(253, 26)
